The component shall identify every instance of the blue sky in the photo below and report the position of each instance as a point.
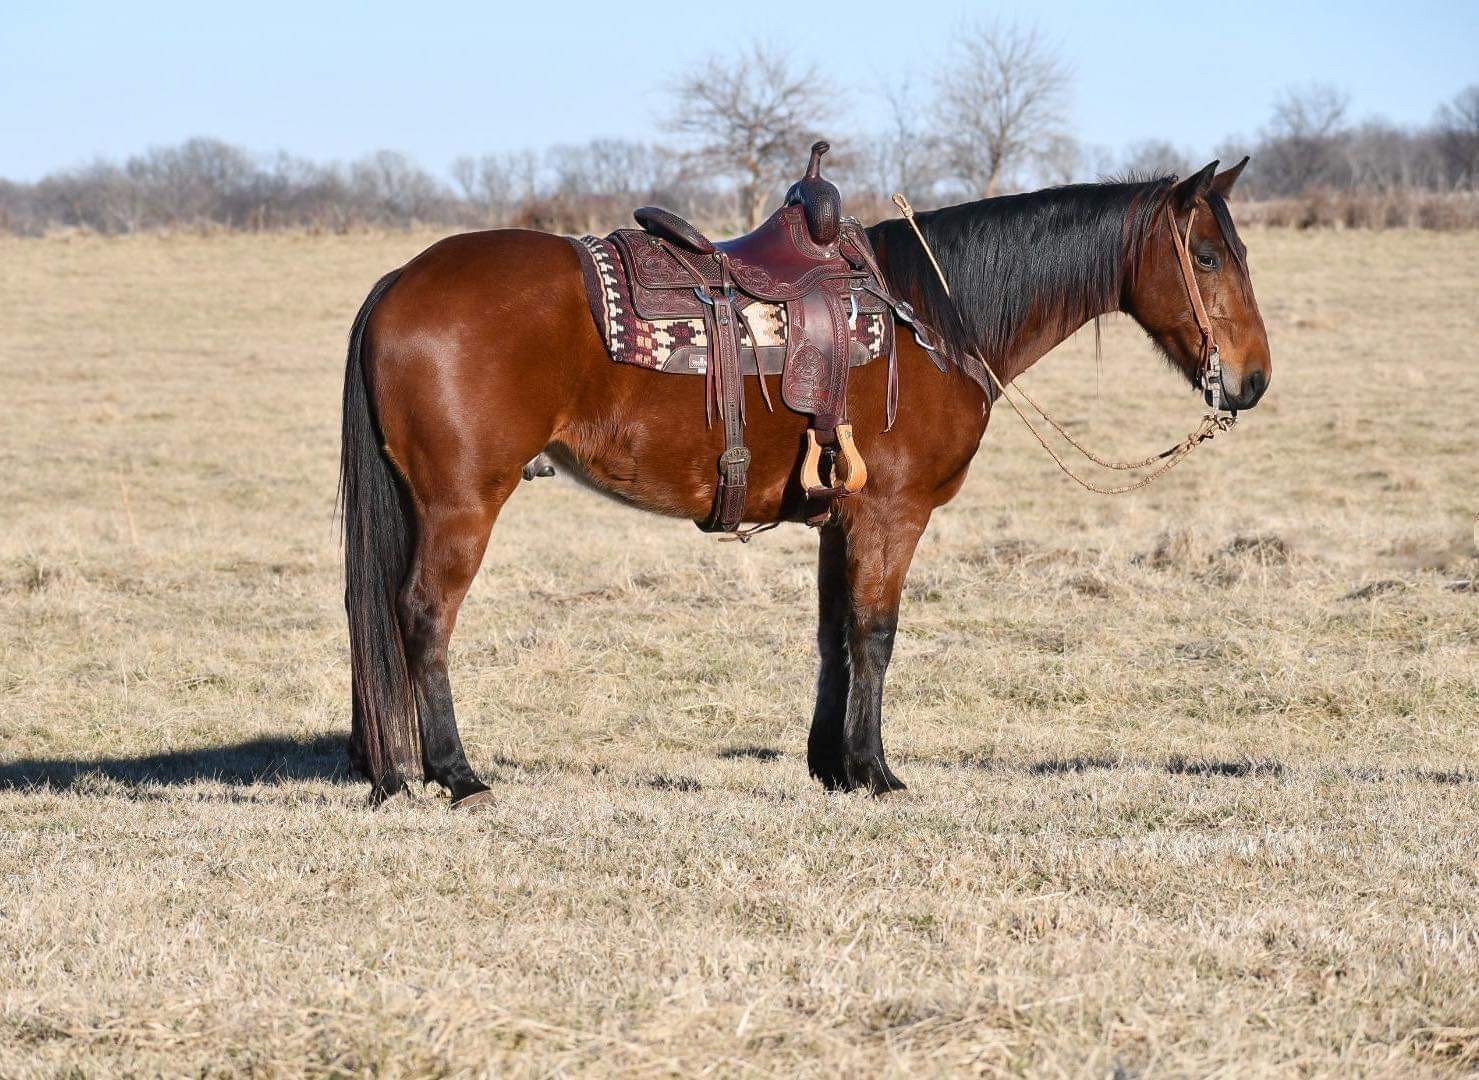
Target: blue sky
(336, 80)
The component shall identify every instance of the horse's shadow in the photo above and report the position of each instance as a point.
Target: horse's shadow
(281, 760)
(268, 760)
(1238, 768)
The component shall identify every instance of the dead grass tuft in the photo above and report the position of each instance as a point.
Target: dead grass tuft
(1266, 548)
(1176, 548)
(1376, 588)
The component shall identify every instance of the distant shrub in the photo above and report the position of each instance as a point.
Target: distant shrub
(1402, 209)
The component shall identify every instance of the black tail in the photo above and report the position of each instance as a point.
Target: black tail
(384, 743)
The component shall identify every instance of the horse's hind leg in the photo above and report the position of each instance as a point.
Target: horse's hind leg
(449, 547)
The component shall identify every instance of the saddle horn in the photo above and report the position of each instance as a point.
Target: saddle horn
(814, 166)
(819, 199)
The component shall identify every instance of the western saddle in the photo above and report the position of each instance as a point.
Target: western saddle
(820, 268)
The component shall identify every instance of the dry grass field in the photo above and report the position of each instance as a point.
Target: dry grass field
(1193, 775)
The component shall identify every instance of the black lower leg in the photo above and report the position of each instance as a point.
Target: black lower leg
(824, 746)
(870, 646)
(426, 625)
(441, 744)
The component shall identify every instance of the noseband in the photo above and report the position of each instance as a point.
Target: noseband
(1209, 359)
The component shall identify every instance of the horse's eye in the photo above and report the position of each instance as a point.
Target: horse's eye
(1207, 260)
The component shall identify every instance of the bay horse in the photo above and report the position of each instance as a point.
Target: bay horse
(482, 352)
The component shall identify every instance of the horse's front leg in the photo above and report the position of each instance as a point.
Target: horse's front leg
(824, 746)
(877, 542)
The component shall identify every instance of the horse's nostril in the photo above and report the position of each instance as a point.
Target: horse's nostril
(1253, 386)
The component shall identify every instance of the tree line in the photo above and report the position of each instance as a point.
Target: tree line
(994, 120)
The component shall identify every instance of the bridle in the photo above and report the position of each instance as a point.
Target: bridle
(1209, 373)
(1209, 359)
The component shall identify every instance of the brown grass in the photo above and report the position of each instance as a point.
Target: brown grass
(1194, 785)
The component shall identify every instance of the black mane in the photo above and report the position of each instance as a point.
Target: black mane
(1065, 252)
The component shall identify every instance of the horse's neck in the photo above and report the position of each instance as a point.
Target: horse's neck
(1037, 338)
(1045, 329)
(1050, 323)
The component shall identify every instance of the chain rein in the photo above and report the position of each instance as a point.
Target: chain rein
(1210, 376)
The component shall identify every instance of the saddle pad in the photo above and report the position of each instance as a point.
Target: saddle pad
(681, 344)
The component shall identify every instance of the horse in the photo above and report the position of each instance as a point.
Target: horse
(481, 352)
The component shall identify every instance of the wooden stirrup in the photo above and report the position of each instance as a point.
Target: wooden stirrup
(854, 470)
(849, 472)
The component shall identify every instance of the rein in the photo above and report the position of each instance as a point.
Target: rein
(1210, 376)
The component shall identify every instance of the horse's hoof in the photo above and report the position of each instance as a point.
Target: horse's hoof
(857, 774)
(873, 776)
(388, 788)
(890, 782)
(474, 801)
(832, 775)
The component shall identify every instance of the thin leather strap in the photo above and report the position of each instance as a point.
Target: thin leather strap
(1189, 278)
(734, 463)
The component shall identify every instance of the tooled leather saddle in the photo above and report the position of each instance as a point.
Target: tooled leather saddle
(809, 264)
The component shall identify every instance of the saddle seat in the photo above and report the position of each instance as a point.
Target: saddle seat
(821, 206)
(778, 262)
(820, 269)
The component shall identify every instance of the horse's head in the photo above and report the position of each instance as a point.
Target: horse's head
(1203, 263)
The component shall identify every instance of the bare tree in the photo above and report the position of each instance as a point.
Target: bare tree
(1315, 111)
(612, 168)
(101, 196)
(1382, 157)
(198, 180)
(1302, 144)
(1002, 100)
(495, 183)
(1059, 160)
(1156, 157)
(907, 156)
(395, 188)
(1457, 129)
(751, 117)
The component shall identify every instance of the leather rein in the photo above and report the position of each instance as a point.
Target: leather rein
(1209, 375)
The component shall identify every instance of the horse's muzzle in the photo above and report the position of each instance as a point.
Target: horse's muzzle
(1243, 392)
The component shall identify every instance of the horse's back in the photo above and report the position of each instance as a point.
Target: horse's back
(495, 273)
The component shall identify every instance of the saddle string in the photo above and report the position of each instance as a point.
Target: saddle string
(1169, 458)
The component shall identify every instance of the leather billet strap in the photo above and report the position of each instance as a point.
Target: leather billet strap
(734, 463)
(866, 261)
(905, 313)
(744, 321)
(725, 388)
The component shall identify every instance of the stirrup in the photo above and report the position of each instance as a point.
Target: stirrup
(849, 473)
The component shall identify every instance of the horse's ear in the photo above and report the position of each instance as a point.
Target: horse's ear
(1223, 182)
(1186, 193)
